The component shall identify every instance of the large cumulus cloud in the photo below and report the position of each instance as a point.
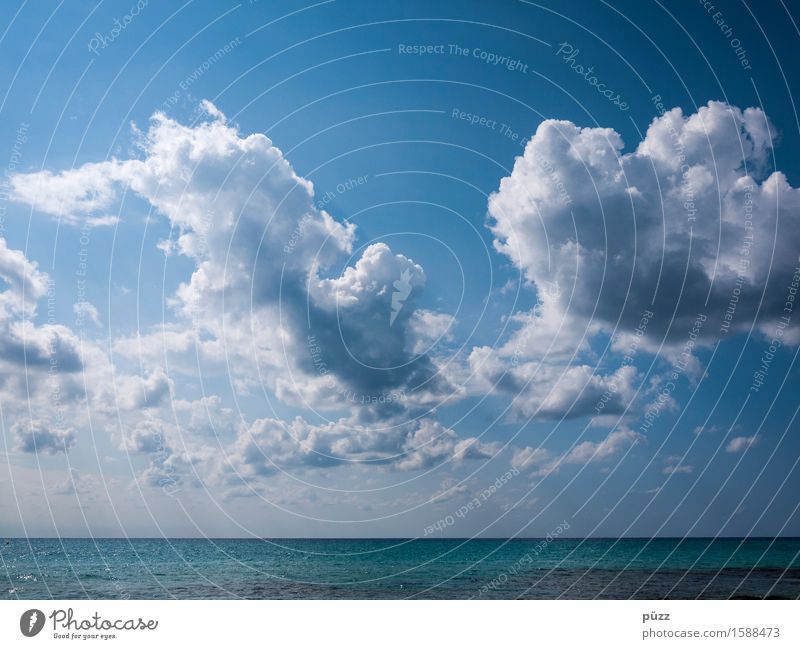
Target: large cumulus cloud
(263, 285)
(690, 221)
(277, 298)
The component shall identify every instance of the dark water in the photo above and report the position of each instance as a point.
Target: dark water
(383, 569)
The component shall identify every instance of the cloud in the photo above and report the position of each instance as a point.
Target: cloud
(742, 443)
(136, 393)
(551, 390)
(428, 328)
(78, 484)
(77, 195)
(279, 297)
(145, 437)
(450, 488)
(612, 445)
(685, 222)
(673, 469)
(37, 436)
(251, 226)
(23, 279)
(39, 363)
(270, 445)
(524, 458)
(706, 430)
(583, 453)
(264, 303)
(86, 311)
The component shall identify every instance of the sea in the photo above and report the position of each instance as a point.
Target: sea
(661, 568)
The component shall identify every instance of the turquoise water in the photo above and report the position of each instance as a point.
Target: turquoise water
(396, 568)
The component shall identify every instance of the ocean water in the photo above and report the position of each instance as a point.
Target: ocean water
(397, 568)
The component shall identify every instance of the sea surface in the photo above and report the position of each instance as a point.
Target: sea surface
(398, 568)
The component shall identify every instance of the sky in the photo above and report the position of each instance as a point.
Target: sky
(357, 269)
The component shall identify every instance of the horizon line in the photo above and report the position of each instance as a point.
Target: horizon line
(394, 538)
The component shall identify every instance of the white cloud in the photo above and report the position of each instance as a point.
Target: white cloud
(524, 458)
(269, 446)
(137, 393)
(429, 328)
(450, 488)
(742, 443)
(250, 225)
(583, 453)
(673, 469)
(621, 246)
(551, 390)
(86, 311)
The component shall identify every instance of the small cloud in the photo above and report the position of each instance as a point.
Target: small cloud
(710, 430)
(449, 489)
(739, 444)
(86, 310)
(672, 469)
(76, 484)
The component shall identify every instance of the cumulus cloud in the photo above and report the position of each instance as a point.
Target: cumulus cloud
(23, 279)
(524, 458)
(667, 247)
(279, 297)
(39, 363)
(429, 328)
(551, 390)
(137, 393)
(450, 488)
(251, 226)
(583, 453)
(271, 445)
(38, 436)
(686, 221)
(271, 301)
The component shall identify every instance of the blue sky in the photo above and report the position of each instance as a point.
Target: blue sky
(210, 214)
